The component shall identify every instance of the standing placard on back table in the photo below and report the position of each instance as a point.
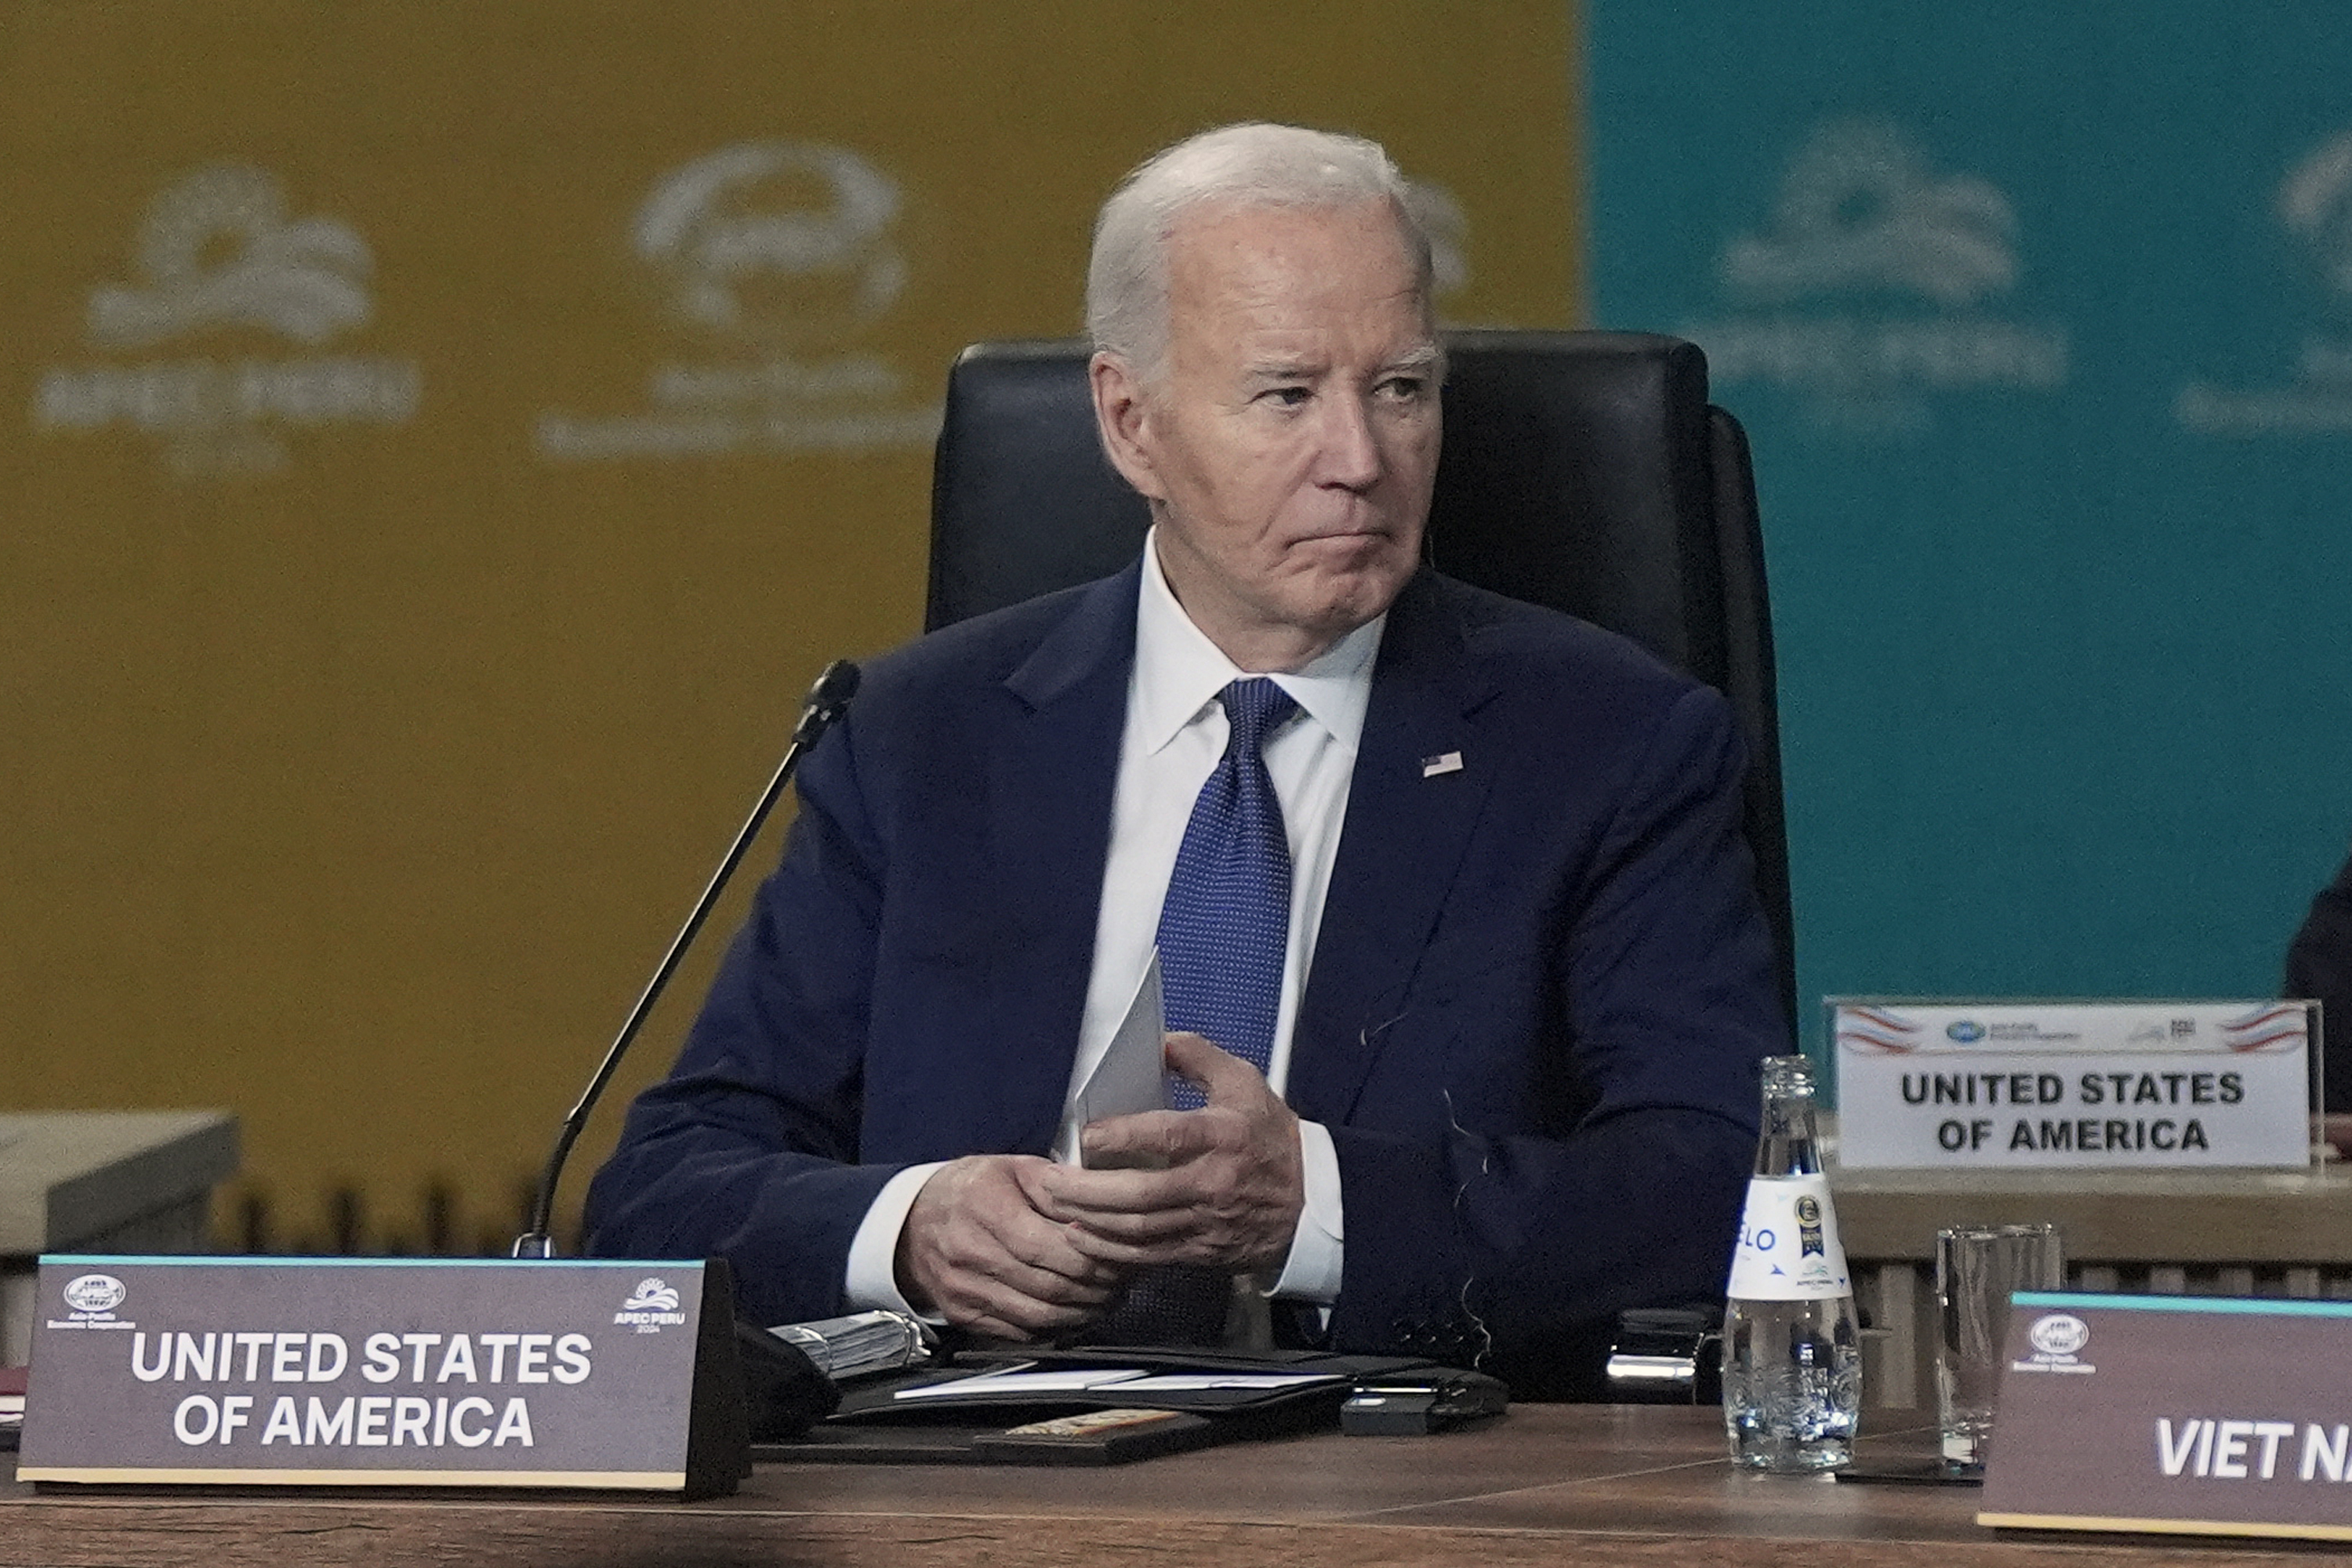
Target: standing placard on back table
(1979, 1085)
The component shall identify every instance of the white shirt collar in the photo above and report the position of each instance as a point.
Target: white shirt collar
(1178, 671)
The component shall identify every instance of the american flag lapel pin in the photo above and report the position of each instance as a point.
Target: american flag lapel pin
(1443, 762)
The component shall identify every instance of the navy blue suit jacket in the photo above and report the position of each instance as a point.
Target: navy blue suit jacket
(1531, 1023)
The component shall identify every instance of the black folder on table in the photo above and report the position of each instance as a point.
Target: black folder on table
(1065, 1406)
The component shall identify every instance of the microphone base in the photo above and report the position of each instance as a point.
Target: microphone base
(534, 1244)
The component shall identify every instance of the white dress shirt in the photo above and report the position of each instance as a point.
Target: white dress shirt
(1175, 734)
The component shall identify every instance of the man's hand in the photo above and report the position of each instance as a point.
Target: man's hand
(1234, 1187)
(976, 1249)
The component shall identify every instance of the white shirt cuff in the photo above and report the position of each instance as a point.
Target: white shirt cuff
(1311, 1272)
(873, 1283)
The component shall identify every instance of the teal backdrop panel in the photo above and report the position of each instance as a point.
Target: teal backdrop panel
(2040, 317)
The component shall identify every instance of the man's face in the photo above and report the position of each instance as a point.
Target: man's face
(1290, 443)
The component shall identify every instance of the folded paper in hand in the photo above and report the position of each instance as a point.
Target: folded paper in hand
(1132, 1075)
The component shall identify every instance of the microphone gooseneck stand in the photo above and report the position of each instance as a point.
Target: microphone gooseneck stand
(827, 701)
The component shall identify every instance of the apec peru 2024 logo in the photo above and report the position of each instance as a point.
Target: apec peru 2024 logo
(221, 260)
(651, 1307)
(2311, 393)
(1872, 290)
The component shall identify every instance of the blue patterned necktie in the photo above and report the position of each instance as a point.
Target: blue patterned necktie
(1225, 924)
(1224, 928)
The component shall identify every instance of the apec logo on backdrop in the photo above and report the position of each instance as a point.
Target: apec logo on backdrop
(739, 264)
(2313, 205)
(1867, 292)
(218, 252)
(773, 259)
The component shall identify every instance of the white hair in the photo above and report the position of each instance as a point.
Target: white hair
(1252, 164)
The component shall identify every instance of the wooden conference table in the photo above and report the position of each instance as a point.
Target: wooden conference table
(1558, 1485)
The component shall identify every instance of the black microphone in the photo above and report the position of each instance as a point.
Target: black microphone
(828, 700)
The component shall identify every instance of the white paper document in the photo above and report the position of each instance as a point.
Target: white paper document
(1133, 1073)
(1015, 1384)
(1196, 1382)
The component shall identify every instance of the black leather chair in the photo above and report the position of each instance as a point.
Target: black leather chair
(1583, 470)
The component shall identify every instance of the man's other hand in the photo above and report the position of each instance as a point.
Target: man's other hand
(977, 1250)
(1233, 1184)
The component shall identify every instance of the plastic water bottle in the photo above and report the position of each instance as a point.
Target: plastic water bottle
(1791, 1364)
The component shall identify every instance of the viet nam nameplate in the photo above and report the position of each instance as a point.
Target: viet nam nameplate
(2175, 1414)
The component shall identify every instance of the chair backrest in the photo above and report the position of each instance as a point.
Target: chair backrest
(1581, 470)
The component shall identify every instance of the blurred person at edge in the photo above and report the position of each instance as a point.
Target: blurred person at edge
(2319, 966)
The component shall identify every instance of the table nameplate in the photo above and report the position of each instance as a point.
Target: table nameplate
(1975, 1085)
(383, 1372)
(2179, 1414)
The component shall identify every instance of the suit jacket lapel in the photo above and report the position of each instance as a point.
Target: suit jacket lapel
(1050, 775)
(1399, 851)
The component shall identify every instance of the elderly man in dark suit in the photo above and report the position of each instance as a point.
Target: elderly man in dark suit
(1458, 928)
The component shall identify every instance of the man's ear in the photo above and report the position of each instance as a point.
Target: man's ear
(1123, 419)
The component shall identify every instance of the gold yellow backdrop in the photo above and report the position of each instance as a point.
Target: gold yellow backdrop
(445, 440)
